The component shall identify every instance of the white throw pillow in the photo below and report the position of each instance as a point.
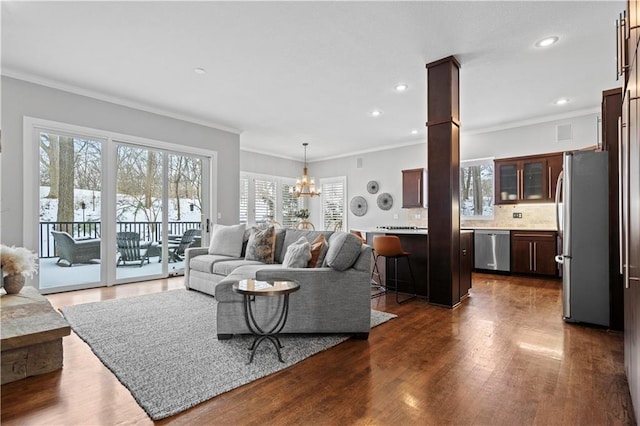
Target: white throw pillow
(298, 254)
(227, 240)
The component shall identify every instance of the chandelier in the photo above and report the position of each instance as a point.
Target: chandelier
(305, 187)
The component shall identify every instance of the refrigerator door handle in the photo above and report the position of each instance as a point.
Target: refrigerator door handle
(558, 193)
(621, 170)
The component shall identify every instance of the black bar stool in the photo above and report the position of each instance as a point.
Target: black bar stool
(389, 246)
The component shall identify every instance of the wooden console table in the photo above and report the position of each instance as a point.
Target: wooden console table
(31, 333)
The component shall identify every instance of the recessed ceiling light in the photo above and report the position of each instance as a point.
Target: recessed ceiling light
(376, 113)
(547, 41)
(414, 132)
(401, 87)
(562, 101)
(200, 71)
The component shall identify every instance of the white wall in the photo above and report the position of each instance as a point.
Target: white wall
(253, 162)
(529, 140)
(20, 98)
(382, 166)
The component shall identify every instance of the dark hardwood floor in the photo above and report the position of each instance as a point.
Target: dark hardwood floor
(504, 357)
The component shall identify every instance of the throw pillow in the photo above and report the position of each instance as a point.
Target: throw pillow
(319, 249)
(226, 240)
(298, 254)
(245, 240)
(261, 245)
(344, 249)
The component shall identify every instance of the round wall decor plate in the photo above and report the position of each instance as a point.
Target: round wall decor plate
(385, 201)
(358, 206)
(373, 187)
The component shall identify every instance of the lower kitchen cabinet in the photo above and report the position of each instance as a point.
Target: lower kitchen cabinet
(466, 262)
(533, 252)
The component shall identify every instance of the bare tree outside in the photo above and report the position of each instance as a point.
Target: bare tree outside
(476, 189)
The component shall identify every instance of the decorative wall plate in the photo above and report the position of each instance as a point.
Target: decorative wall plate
(373, 187)
(385, 201)
(358, 206)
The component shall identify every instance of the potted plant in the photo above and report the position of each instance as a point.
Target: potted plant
(17, 263)
(302, 214)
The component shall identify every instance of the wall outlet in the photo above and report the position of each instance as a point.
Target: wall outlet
(395, 215)
(219, 215)
(517, 215)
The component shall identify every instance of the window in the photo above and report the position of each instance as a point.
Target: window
(244, 199)
(266, 198)
(476, 189)
(289, 205)
(333, 201)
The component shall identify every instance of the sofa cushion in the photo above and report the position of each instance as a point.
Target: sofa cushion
(227, 240)
(261, 245)
(298, 254)
(344, 249)
(227, 267)
(205, 262)
(223, 291)
(319, 249)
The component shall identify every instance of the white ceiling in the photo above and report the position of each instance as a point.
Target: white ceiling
(286, 72)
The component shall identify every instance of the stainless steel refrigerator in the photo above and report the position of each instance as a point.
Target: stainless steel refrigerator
(582, 210)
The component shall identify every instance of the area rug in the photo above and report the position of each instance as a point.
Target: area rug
(163, 348)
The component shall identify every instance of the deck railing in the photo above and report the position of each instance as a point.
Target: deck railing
(149, 231)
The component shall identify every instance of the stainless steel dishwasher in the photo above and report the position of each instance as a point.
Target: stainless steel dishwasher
(492, 249)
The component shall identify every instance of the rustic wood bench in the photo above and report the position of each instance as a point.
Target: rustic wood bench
(31, 334)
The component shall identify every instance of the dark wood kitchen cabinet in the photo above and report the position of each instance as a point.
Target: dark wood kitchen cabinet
(466, 262)
(527, 179)
(533, 252)
(414, 188)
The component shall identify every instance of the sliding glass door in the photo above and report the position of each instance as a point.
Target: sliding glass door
(104, 210)
(159, 211)
(70, 221)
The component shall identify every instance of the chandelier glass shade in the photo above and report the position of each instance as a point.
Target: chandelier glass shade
(305, 186)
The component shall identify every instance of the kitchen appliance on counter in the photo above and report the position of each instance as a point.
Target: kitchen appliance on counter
(582, 212)
(492, 250)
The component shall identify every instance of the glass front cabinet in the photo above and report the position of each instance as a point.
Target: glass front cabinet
(527, 179)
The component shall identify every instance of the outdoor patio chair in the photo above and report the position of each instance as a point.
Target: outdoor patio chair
(176, 250)
(130, 249)
(76, 251)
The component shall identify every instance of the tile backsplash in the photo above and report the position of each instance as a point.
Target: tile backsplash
(533, 216)
(539, 216)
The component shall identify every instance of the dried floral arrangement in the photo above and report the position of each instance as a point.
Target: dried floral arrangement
(18, 260)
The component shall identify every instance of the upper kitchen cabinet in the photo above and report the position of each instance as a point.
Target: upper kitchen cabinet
(527, 179)
(414, 187)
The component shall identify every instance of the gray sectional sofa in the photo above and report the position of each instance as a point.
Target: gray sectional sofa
(333, 298)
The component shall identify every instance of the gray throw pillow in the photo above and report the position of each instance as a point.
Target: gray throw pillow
(261, 245)
(344, 249)
(226, 240)
(298, 254)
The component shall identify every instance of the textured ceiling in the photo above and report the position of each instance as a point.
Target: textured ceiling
(286, 72)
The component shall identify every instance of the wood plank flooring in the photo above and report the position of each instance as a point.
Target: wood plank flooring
(504, 357)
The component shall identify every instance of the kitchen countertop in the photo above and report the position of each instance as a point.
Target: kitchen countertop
(462, 229)
(509, 228)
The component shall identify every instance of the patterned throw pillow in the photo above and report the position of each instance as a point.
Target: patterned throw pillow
(319, 249)
(261, 245)
(298, 254)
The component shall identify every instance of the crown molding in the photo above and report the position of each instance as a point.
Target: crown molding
(54, 84)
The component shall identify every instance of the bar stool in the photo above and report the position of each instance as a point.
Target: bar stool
(389, 246)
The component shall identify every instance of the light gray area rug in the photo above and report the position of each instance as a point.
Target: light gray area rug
(163, 348)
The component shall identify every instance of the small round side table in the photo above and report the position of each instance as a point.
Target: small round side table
(253, 288)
